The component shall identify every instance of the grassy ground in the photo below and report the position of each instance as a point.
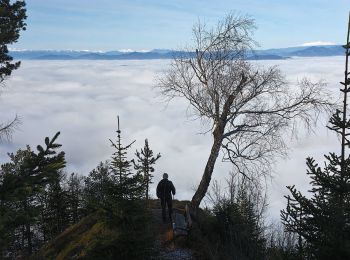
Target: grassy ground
(126, 234)
(77, 240)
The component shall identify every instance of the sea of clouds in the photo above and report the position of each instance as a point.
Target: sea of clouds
(82, 99)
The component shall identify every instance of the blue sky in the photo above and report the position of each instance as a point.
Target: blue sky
(148, 24)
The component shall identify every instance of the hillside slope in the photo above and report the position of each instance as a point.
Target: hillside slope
(103, 236)
(78, 240)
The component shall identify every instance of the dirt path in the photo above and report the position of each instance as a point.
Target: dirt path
(165, 244)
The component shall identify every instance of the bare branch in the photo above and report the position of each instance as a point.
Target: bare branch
(7, 129)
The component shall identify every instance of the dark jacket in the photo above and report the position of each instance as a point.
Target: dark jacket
(164, 189)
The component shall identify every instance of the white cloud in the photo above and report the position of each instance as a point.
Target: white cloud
(317, 43)
(83, 98)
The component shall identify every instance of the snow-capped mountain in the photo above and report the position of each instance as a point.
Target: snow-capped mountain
(279, 53)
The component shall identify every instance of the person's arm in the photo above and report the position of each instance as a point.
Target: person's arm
(158, 190)
(173, 188)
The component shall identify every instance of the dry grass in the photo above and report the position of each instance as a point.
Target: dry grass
(77, 240)
(94, 236)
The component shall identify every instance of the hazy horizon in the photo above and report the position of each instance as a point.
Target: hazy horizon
(126, 50)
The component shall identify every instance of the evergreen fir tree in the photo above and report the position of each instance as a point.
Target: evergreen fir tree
(127, 184)
(22, 181)
(144, 165)
(74, 194)
(323, 221)
(12, 16)
(239, 225)
(54, 216)
(12, 21)
(98, 190)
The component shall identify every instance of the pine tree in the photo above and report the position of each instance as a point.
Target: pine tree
(98, 190)
(12, 18)
(323, 221)
(74, 197)
(144, 165)
(54, 215)
(239, 223)
(127, 184)
(22, 181)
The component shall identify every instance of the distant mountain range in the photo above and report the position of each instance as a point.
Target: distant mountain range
(269, 54)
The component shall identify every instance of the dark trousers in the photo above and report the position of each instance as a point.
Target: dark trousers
(164, 202)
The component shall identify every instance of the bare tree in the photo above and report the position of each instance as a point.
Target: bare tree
(248, 107)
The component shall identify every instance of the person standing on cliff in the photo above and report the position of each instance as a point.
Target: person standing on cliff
(164, 190)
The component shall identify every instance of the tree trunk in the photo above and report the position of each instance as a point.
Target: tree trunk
(209, 168)
(218, 135)
(29, 239)
(23, 237)
(27, 229)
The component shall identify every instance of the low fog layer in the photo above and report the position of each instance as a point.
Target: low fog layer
(82, 99)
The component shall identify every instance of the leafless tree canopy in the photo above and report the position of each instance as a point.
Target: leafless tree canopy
(248, 106)
(254, 105)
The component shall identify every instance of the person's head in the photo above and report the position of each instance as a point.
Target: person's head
(165, 175)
